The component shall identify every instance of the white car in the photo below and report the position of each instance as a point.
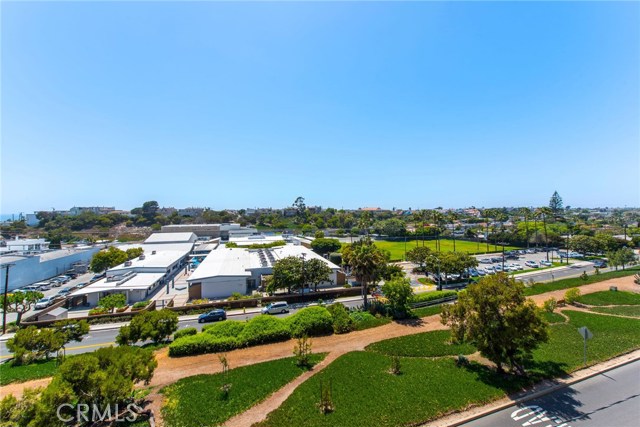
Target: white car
(276, 308)
(532, 264)
(485, 261)
(515, 266)
(546, 263)
(44, 303)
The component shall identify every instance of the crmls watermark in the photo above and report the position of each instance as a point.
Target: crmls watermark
(82, 412)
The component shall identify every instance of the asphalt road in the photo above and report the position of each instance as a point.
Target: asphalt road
(104, 338)
(610, 399)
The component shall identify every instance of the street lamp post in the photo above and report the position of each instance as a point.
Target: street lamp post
(4, 301)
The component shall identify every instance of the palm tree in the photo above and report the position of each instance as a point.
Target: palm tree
(545, 211)
(487, 213)
(437, 220)
(422, 216)
(453, 217)
(526, 214)
(367, 262)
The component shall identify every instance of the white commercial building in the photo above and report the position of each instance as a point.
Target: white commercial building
(165, 254)
(228, 270)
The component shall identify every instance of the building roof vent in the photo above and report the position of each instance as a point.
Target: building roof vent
(141, 257)
(153, 252)
(127, 263)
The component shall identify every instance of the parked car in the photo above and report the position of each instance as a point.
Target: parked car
(43, 286)
(80, 285)
(532, 264)
(495, 259)
(44, 303)
(481, 272)
(56, 283)
(546, 263)
(65, 291)
(63, 279)
(531, 251)
(276, 307)
(98, 276)
(29, 288)
(485, 261)
(212, 316)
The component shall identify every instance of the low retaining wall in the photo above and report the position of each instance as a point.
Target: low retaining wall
(98, 318)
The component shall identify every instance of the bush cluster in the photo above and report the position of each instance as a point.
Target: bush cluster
(431, 296)
(228, 335)
(342, 323)
(185, 332)
(311, 321)
(140, 304)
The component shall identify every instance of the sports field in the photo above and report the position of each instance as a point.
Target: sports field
(397, 248)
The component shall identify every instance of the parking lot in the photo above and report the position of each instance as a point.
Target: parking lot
(83, 278)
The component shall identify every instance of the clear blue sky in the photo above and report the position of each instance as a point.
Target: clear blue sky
(235, 105)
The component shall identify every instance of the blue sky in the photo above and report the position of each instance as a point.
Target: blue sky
(235, 105)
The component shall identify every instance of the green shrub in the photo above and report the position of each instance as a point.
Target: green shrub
(184, 332)
(572, 295)
(431, 296)
(140, 304)
(361, 317)
(201, 344)
(98, 310)
(550, 305)
(264, 329)
(342, 323)
(226, 328)
(310, 321)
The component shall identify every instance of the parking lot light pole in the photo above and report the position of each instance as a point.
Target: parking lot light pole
(4, 301)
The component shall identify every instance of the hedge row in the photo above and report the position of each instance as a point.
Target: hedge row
(184, 333)
(431, 296)
(228, 335)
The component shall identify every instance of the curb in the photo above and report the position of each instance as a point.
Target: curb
(536, 394)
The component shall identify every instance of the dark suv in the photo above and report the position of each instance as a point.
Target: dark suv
(212, 316)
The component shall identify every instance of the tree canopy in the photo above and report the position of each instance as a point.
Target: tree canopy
(495, 316)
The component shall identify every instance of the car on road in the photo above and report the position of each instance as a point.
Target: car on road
(546, 263)
(212, 316)
(44, 303)
(275, 308)
(532, 264)
(599, 263)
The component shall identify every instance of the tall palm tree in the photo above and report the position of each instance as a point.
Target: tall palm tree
(437, 220)
(526, 214)
(453, 217)
(422, 216)
(487, 213)
(545, 211)
(367, 262)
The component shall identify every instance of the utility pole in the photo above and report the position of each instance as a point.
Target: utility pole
(4, 301)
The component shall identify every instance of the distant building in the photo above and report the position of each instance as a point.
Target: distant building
(19, 246)
(100, 210)
(192, 212)
(223, 231)
(32, 220)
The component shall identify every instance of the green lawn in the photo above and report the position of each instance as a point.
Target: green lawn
(397, 248)
(553, 317)
(632, 311)
(610, 298)
(541, 288)
(365, 394)
(428, 388)
(427, 344)
(564, 351)
(19, 374)
(197, 401)
(427, 311)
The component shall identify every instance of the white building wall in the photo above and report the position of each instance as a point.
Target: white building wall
(30, 270)
(223, 287)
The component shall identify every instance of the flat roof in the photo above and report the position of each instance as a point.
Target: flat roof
(171, 237)
(161, 259)
(137, 281)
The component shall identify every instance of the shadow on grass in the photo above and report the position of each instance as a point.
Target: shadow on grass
(411, 322)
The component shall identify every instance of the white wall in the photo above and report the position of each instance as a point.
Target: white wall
(222, 287)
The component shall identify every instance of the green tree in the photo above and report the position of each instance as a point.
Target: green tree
(584, 244)
(316, 272)
(149, 325)
(287, 274)
(495, 316)
(367, 263)
(112, 301)
(399, 293)
(31, 344)
(419, 255)
(20, 302)
(301, 210)
(324, 246)
(555, 203)
(106, 259)
(134, 253)
(71, 330)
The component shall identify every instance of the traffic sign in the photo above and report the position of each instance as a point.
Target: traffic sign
(585, 333)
